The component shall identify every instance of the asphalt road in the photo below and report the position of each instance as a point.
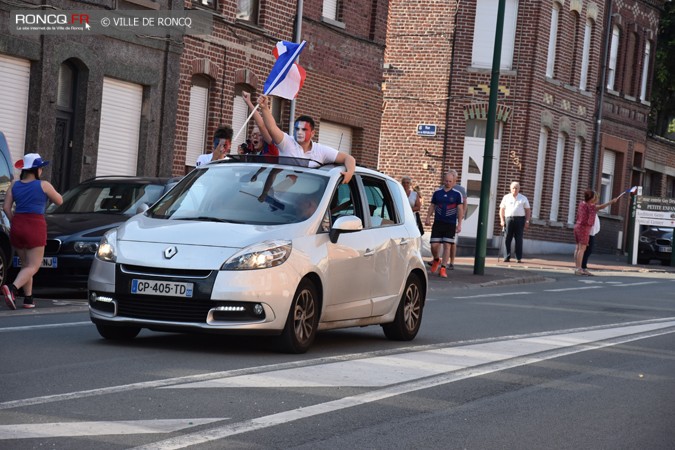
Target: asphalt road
(574, 362)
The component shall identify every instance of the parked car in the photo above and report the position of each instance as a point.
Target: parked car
(6, 177)
(655, 243)
(91, 208)
(261, 248)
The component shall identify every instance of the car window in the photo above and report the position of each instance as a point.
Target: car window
(380, 203)
(249, 194)
(117, 198)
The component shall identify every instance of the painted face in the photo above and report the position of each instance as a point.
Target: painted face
(303, 132)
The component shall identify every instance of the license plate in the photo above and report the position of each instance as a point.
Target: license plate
(48, 262)
(665, 249)
(161, 288)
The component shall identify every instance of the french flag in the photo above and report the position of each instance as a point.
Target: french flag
(286, 77)
(632, 190)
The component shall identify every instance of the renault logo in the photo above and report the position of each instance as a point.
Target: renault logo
(170, 252)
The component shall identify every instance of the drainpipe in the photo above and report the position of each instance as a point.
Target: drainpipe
(297, 38)
(447, 104)
(601, 96)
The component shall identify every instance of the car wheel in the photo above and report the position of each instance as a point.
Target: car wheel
(408, 318)
(302, 321)
(117, 333)
(4, 267)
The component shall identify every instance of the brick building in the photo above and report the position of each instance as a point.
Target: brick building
(343, 60)
(92, 104)
(437, 71)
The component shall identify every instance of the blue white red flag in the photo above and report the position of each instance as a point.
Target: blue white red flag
(632, 190)
(286, 77)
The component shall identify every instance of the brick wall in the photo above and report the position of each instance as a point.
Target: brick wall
(343, 66)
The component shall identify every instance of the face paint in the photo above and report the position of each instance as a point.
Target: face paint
(303, 132)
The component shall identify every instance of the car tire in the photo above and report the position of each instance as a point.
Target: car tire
(408, 318)
(302, 320)
(117, 333)
(4, 267)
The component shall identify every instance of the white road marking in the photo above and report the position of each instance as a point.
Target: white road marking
(70, 429)
(404, 367)
(572, 289)
(496, 294)
(508, 356)
(638, 284)
(44, 327)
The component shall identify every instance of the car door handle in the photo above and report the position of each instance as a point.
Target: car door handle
(404, 241)
(369, 252)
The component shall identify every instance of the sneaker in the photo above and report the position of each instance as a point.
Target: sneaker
(507, 259)
(451, 266)
(435, 265)
(519, 261)
(586, 272)
(9, 297)
(578, 271)
(443, 273)
(29, 305)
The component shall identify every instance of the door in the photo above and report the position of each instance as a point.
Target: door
(63, 147)
(472, 181)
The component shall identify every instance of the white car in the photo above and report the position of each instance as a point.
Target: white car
(247, 246)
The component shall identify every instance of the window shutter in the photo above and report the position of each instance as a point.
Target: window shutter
(484, 33)
(196, 139)
(337, 136)
(330, 9)
(119, 129)
(239, 115)
(608, 161)
(14, 82)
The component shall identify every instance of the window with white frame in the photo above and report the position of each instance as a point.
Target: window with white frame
(613, 55)
(484, 33)
(585, 55)
(330, 10)
(607, 181)
(574, 181)
(552, 40)
(557, 178)
(645, 71)
(247, 10)
(197, 117)
(539, 177)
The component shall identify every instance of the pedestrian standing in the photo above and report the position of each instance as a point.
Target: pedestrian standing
(586, 216)
(28, 233)
(222, 142)
(447, 205)
(414, 200)
(514, 215)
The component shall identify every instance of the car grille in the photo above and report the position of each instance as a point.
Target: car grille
(53, 246)
(157, 271)
(164, 308)
(664, 242)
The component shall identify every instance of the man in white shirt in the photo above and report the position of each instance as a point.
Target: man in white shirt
(303, 146)
(222, 142)
(514, 214)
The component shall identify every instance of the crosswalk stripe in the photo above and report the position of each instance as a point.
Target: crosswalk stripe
(73, 429)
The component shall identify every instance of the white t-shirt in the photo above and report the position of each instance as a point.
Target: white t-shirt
(320, 153)
(514, 207)
(412, 198)
(596, 226)
(204, 159)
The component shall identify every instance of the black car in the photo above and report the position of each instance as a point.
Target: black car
(655, 243)
(91, 208)
(6, 177)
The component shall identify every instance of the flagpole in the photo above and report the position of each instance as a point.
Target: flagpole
(245, 123)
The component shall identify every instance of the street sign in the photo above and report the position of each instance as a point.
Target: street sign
(656, 211)
(426, 130)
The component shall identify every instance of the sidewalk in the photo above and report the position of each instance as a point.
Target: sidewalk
(536, 269)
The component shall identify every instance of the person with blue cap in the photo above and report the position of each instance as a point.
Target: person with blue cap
(28, 233)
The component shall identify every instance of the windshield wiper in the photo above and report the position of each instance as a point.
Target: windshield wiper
(209, 219)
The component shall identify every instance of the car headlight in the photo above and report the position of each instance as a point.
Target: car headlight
(645, 240)
(259, 256)
(106, 248)
(85, 247)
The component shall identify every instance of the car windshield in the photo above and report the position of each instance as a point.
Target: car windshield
(108, 198)
(250, 194)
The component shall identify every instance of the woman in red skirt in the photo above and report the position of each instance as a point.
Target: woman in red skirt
(28, 233)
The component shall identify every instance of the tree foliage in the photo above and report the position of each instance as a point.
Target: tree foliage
(663, 89)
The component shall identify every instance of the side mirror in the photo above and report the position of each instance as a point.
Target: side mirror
(143, 207)
(345, 224)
